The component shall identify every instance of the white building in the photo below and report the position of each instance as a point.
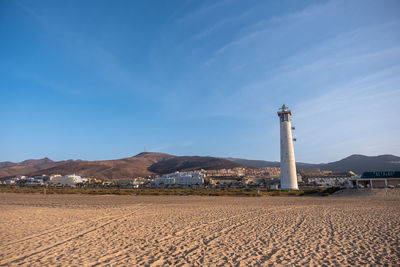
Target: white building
(68, 180)
(180, 179)
(274, 186)
(54, 176)
(288, 163)
(329, 181)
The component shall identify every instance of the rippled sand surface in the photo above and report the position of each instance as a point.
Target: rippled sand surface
(74, 230)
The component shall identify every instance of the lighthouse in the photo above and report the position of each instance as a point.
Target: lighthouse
(288, 163)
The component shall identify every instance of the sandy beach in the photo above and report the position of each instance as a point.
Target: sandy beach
(74, 230)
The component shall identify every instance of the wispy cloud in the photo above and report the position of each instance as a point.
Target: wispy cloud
(346, 52)
(263, 27)
(202, 11)
(87, 54)
(352, 118)
(30, 11)
(111, 69)
(222, 23)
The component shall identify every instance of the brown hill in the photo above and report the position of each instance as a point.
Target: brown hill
(110, 169)
(143, 164)
(355, 163)
(8, 168)
(192, 163)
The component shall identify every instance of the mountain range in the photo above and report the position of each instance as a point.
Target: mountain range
(153, 163)
(355, 163)
(143, 164)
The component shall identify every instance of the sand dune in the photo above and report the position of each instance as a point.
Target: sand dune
(187, 230)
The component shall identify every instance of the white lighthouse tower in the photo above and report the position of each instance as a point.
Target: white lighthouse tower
(288, 163)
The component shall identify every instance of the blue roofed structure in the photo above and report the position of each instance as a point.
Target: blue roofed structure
(380, 174)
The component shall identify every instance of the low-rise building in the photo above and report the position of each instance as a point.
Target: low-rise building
(227, 181)
(325, 178)
(378, 179)
(329, 181)
(66, 180)
(184, 179)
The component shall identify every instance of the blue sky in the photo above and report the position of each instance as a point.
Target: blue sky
(102, 79)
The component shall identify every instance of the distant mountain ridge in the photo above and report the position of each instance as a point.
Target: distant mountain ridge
(153, 163)
(187, 163)
(29, 162)
(143, 164)
(356, 163)
(8, 168)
